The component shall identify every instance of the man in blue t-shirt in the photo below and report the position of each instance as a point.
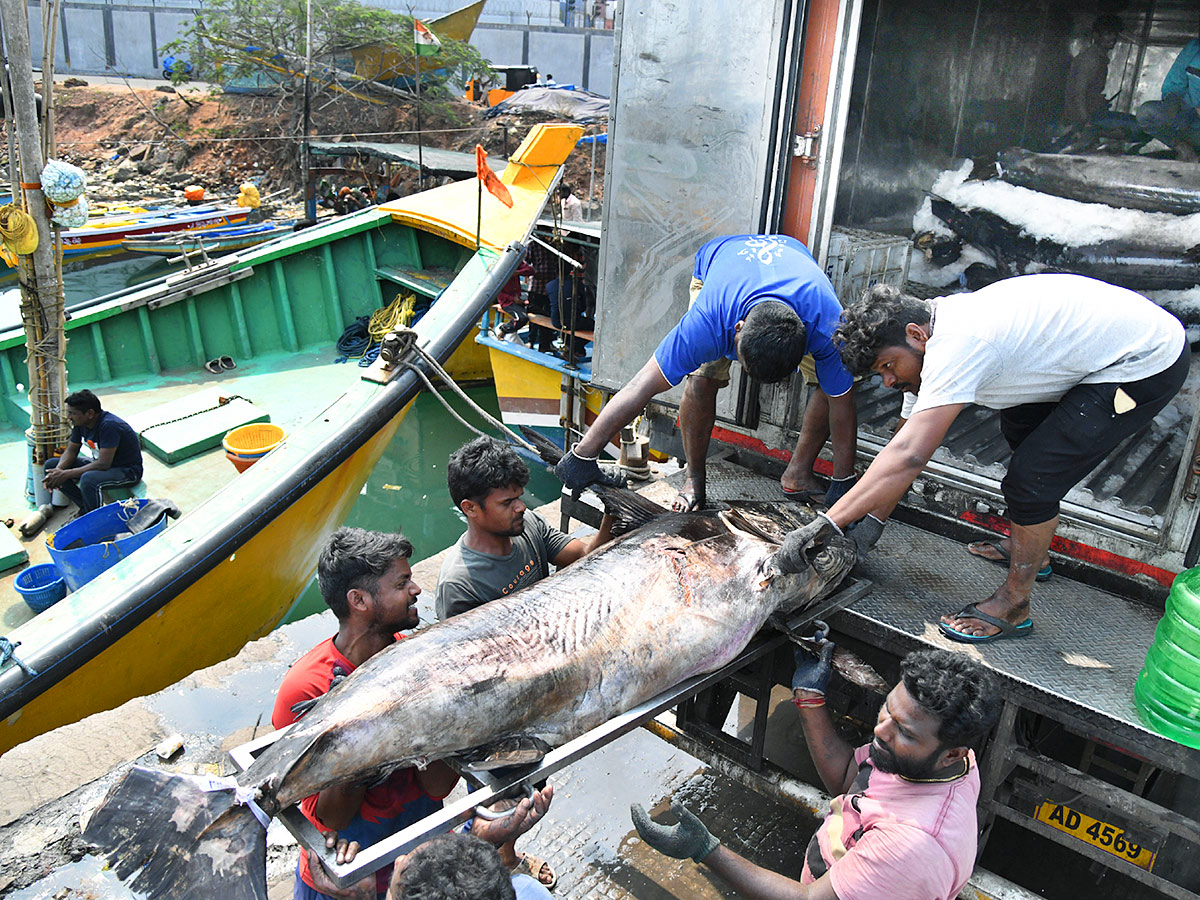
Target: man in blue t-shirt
(116, 451)
(762, 300)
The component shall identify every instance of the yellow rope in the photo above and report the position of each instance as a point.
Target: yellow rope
(397, 314)
(18, 230)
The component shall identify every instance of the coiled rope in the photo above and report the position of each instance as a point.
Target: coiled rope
(362, 338)
(18, 230)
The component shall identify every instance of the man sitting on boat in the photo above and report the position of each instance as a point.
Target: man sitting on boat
(903, 821)
(1175, 119)
(1075, 367)
(366, 580)
(764, 301)
(116, 450)
(502, 550)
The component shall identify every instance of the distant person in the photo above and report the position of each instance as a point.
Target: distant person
(572, 206)
(116, 450)
(1084, 97)
(903, 824)
(366, 579)
(1175, 120)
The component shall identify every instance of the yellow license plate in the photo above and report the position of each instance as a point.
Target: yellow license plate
(1108, 838)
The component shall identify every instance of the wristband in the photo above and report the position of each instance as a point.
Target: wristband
(808, 702)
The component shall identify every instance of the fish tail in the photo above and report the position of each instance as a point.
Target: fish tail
(629, 509)
(187, 837)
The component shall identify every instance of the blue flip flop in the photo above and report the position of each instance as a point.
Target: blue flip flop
(971, 611)
(1042, 575)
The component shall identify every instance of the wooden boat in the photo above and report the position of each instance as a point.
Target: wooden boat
(541, 390)
(208, 240)
(390, 65)
(104, 234)
(231, 567)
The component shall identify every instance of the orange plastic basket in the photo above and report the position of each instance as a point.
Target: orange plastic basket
(253, 440)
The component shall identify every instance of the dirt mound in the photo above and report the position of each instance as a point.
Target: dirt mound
(150, 143)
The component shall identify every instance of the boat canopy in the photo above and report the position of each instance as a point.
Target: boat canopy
(434, 160)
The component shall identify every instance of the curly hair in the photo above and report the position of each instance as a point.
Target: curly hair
(455, 867)
(481, 466)
(772, 342)
(356, 558)
(874, 321)
(84, 401)
(959, 692)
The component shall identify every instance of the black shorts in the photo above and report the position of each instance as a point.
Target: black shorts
(1055, 445)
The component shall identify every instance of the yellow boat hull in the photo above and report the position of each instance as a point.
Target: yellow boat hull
(257, 584)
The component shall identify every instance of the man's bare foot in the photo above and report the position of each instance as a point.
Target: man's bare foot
(796, 480)
(690, 498)
(1013, 611)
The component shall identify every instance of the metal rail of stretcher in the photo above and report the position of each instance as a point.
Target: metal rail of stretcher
(507, 783)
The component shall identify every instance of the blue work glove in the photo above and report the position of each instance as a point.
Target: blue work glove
(577, 472)
(688, 838)
(790, 555)
(813, 669)
(865, 533)
(838, 488)
(336, 676)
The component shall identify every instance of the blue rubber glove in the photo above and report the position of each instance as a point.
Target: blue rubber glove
(790, 555)
(865, 533)
(688, 838)
(838, 488)
(577, 472)
(813, 670)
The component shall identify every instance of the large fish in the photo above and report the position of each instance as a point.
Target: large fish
(678, 596)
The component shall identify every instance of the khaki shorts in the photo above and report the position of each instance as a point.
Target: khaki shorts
(718, 370)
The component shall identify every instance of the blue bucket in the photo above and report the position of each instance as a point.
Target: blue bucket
(40, 586)
(99, 552)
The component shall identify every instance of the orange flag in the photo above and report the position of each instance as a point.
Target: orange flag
(494, 185)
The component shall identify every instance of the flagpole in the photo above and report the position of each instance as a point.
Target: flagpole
(420, 143)
(479, 213)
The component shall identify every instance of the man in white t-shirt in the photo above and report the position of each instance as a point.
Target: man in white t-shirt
(1075, 367)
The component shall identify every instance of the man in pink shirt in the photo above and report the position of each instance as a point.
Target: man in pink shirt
(903, 822)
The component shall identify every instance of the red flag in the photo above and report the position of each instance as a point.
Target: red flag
(493, 184)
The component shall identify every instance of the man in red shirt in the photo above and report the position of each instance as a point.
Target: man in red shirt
(366, 579)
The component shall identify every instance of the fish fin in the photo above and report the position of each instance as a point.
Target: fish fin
(518, 750)
(629, 509)
(549, 451)
(184, 842)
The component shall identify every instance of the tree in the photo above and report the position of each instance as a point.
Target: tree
(233, 38)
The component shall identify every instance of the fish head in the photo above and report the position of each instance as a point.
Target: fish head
(827, 561)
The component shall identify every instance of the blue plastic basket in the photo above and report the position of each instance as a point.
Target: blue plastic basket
(40, 586)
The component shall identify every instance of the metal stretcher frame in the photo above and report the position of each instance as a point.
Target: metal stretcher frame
(498, 785)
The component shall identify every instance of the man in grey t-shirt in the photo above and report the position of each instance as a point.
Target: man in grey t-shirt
(1075, 367)
(503, 550)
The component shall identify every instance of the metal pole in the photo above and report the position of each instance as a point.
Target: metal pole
(592, 178)
(420, 143)
(310, 200)
(41, 290)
